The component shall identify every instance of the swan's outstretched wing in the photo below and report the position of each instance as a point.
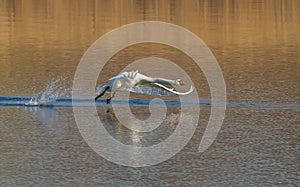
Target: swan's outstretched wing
(128, 75)
(156, 89)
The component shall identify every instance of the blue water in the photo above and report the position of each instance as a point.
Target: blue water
(26, 101)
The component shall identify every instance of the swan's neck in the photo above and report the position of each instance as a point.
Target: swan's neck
(165, 81)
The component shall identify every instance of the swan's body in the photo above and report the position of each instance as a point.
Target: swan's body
(139, 83)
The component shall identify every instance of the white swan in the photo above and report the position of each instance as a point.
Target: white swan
(139, 83)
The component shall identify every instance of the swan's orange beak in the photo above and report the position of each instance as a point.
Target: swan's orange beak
(182, 83)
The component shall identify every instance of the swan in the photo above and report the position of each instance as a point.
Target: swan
(139, 83)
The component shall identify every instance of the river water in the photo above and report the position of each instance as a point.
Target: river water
(256, 43)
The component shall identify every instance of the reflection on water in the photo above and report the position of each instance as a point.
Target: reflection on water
(257, 44)
(46, 115)
(130, 137)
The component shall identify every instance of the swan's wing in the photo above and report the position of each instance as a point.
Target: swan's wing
(128, 75)
(156, 90)
(118, 76)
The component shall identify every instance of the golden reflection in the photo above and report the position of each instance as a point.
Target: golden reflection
(84, 21)
(51, 35)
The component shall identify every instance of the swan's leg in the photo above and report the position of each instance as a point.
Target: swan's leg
(101, 94)
(111, 96)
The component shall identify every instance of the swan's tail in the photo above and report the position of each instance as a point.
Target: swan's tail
(99, 89)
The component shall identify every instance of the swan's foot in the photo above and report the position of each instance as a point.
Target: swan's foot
(108, 100)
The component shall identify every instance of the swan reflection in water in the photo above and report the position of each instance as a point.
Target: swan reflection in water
(130, 137)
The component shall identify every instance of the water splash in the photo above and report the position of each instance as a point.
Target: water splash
(54, 90)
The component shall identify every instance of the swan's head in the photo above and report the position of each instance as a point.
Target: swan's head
(180, 82)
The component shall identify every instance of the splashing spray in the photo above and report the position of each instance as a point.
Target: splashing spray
(54, 90)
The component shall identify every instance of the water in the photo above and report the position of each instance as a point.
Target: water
(256, 43)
